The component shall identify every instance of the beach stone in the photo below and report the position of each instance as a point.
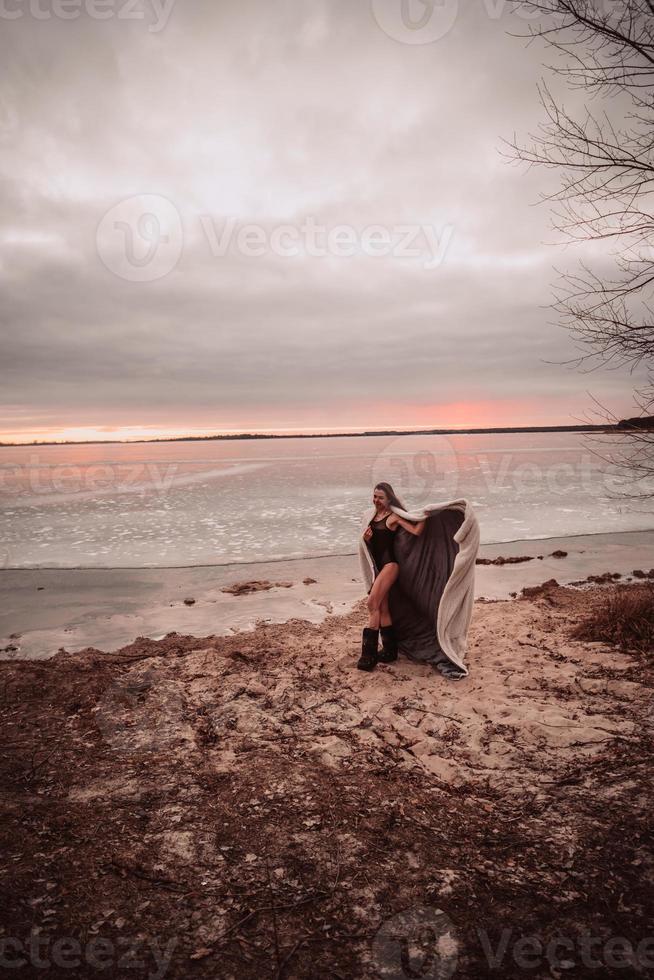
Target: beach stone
(501, 560)
(255, 585)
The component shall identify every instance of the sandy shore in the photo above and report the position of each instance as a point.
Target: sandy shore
(43, 610)
(251, 805)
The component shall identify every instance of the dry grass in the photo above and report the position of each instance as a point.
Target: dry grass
(625, 618)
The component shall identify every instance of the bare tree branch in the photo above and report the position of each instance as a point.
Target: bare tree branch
(605, 160)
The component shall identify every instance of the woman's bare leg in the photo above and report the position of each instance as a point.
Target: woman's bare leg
(385, 613)
(379, 592)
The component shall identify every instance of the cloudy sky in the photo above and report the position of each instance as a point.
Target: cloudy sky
(291, 216)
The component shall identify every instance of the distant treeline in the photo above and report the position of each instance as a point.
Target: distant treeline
(637, 423)
(641, 422)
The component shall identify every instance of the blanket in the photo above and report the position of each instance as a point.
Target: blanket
(432, 598)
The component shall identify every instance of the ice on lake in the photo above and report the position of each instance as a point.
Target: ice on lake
(193, 503)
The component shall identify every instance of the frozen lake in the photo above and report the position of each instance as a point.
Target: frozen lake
(195, 503)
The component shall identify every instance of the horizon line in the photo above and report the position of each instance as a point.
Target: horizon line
(362, 433)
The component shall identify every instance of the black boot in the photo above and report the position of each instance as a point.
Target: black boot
(368, 658)
(389, 645)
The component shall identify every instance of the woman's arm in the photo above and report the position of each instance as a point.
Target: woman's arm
(416, 529)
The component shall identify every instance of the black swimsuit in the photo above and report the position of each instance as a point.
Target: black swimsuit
(382, 543)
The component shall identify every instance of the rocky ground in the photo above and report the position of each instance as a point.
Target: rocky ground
(254, 806)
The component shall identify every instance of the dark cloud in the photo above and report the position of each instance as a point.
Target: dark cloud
(271, 114)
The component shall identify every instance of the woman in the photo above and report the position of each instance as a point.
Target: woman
(380, 540)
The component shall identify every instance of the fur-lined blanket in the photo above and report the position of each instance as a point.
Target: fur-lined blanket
(432, 598)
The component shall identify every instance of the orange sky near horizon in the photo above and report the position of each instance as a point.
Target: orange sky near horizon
(455, 415)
